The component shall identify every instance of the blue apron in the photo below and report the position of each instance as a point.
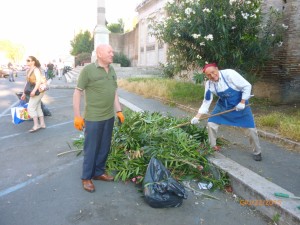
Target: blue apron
(228, 99)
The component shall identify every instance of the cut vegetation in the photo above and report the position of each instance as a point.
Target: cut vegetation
(183, 151)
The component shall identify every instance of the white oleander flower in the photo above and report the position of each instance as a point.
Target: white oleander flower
(245, 15)
(188, 11)
(209, 37)
(232, 1)
(206, 10)
(196, 36)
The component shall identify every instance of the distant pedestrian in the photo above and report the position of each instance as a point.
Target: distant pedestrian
(11, 72)
(34, 77)
(50, 70)
(60, 68)
(233, 91)
(98, 82)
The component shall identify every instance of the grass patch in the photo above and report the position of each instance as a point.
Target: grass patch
(186, 92)
(182, 92)
(270, 120)
(287, 125)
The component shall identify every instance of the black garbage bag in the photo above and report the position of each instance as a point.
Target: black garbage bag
(45, 110)
(160, 189)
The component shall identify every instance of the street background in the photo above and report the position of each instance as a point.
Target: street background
(38, 187)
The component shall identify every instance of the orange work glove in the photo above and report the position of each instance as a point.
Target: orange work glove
(79, 123)
(120, 116)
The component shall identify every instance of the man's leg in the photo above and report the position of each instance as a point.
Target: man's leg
(212, 129)
(251, 133)
(104, 146)
(91, 146)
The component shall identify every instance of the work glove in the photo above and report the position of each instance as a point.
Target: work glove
(195, 120)
(120, 116)
(240, 106)
(79, 123)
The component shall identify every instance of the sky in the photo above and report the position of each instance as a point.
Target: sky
(45, 28)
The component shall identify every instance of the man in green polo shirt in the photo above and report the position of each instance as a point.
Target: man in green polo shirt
(99, 82)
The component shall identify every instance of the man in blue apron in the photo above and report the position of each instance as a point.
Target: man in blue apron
(233, 92)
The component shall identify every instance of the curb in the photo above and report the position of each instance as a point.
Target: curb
(292, 144)
(253, 188)
(258, 192)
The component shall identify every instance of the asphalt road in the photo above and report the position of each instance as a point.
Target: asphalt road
(39, 188)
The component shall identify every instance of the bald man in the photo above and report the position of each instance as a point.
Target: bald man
(233, 92)
(98, 80)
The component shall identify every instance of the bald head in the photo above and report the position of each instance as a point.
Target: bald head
(102, 47)
(105, 54)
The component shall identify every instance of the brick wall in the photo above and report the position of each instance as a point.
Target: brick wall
(281, 77)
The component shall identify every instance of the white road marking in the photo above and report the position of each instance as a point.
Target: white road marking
(35, 179)
(130, 105)
(17, 134)
(8, 109)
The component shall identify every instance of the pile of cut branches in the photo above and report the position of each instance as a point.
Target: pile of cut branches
(183, 151)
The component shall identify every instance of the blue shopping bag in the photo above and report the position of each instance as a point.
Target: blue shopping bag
(19, 113)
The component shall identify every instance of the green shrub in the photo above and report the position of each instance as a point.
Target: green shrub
(121, 59)
(168, 70)
(198, 78)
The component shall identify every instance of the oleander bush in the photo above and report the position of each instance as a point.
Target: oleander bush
(236, 34)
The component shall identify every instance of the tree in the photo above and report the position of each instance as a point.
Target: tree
(14, 52)
(234, 33)
(82, 43)
(83, 58)
(116, 27)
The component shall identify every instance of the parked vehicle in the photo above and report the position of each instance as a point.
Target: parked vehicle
(4, 72)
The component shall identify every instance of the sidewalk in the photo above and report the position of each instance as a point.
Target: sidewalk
(251, 180)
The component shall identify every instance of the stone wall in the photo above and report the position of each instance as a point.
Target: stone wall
(117, 42)
(131, 45)
(127, 44)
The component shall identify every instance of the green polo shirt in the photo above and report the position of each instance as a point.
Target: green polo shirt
(100, 88)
